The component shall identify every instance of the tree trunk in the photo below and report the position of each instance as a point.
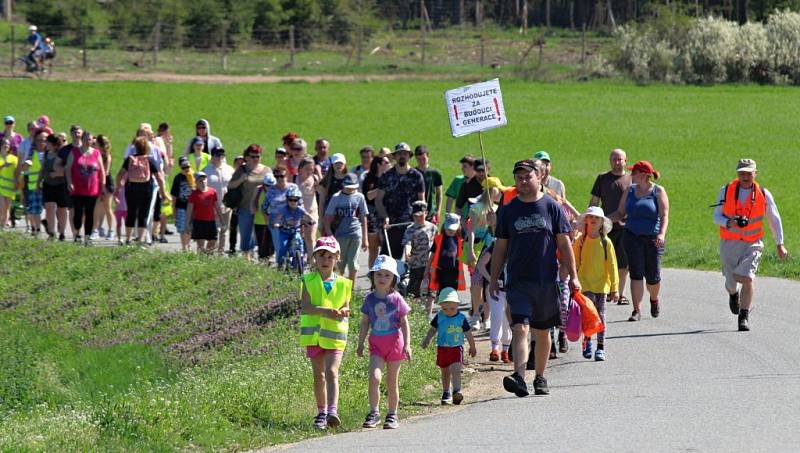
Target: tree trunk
(572, 15)
(611, 20)
(547, 13)
(741, 8)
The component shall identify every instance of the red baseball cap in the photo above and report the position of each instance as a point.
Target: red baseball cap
(643, 166)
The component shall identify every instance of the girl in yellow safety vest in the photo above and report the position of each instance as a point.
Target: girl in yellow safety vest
(8, 181)
(325, 308)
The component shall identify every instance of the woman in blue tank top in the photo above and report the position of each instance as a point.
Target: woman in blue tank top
(647, 209)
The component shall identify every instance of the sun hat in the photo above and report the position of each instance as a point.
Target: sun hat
(402, 146)
(542, 155)
(748, 165)
(217, 152)
(385, 263)
(9, 119)
(280, 150)
(420, 149)
(452, 221)
(183, 162)
(338, 158)
(200, 174)
(418, 207)
(269, 180)
(32, 28)
(197, 140)
(43, 121)
(350, 181)
(328, 243)
(448, 295)
(596, 211)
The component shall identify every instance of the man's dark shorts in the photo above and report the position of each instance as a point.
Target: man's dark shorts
(616, 238)
(534, 304)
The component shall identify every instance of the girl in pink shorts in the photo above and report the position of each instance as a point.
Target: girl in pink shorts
(121, 211)
(385, 319)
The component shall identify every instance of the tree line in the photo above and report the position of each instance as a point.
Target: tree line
(208, 24)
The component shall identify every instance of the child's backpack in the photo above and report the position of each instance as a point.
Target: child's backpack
(138, 168)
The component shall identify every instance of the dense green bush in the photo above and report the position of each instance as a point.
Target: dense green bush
(713, 50)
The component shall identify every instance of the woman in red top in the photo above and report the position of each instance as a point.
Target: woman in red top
(203, 212)
(85, 179)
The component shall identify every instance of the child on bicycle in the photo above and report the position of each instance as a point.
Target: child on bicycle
(450, 327)
(289, 221)
(596, 263)
(386, 322)
(347, 210)
(325, 308)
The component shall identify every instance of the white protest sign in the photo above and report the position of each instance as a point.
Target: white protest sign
(475, 108)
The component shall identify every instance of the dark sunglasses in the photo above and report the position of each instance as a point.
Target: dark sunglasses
(9, 122)
(280, 175)
(290, 200)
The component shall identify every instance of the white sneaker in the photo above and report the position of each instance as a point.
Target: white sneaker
(94, 236)
(475, 322)
(487, 325)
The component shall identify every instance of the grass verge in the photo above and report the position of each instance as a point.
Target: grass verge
(122, 349)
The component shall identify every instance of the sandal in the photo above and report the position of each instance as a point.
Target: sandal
(623, 301)
(635, 316)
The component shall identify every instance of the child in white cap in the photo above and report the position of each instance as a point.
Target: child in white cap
(385, 319)
(596, 263)
(450, 327)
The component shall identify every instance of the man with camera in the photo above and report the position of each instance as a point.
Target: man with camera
(742, 207)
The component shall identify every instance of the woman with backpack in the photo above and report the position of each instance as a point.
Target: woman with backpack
(86, 177)
(139, 170)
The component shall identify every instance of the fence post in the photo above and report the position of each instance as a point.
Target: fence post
(13, 49)
(224, 45)
(483, 46)
(359, 44)
(156, 42)
(424, 42)
(83, 46)
(291, 46)
(583, 43)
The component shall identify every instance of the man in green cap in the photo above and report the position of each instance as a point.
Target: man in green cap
(554, 184)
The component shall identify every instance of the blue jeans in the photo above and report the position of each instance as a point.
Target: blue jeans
(275, 233)
(246, 239)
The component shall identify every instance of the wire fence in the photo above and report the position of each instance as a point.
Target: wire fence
(294, 51)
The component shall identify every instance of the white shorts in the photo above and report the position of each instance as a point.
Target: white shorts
(739, 258)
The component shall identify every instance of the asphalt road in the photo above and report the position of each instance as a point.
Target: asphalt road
(687, 381)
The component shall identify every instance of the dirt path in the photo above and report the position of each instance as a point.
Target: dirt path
(231, 79)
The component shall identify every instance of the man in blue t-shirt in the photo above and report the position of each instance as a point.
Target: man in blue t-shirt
(530, 229)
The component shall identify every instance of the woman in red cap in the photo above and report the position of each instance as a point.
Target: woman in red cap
(647, 207)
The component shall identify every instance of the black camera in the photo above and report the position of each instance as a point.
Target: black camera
(741, 221)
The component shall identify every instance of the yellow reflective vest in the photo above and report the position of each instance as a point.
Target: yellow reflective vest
(7, 173)
(320, 330)
(33, 172)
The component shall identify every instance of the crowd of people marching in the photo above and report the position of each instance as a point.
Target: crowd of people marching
(524, 248)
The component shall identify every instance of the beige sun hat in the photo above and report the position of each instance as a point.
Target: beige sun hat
(598, 212)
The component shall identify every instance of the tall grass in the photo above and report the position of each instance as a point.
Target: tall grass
(119, 349)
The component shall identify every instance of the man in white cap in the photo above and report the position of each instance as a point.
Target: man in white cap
(740, 211)
(398, 188)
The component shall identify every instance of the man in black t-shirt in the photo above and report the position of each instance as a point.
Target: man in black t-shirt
(398, 188)
(433, 183)
(530, 229)
(607, 191)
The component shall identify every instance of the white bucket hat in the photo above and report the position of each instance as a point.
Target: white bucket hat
(385, 263)
(598, 212)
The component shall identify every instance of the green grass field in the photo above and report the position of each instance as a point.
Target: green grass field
(97, 356)
(693, 135)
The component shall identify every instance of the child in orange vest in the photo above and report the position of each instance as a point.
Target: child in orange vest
(445, 269)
